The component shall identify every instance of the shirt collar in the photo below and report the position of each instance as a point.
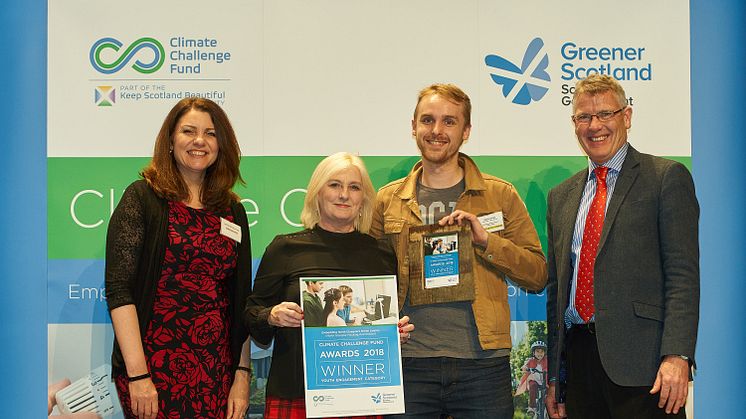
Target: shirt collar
(614, 164)
(472, 176)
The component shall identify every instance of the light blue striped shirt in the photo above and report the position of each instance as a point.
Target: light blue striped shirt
(615, 166)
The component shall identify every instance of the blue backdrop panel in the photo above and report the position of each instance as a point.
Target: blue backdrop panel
(23, 229)
(718, 153)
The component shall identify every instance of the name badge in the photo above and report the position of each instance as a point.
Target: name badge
(492, 222)
(230, 230)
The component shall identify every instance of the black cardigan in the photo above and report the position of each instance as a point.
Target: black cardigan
(135, 247)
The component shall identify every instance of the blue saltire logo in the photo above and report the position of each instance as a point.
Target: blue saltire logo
(524, 84)
(376, 398)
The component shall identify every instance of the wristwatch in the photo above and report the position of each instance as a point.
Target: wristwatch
(686, 358)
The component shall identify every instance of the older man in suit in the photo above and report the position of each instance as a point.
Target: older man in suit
(623, 256)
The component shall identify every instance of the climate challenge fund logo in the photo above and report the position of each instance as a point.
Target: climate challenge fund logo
(527, 83)
(106, 62)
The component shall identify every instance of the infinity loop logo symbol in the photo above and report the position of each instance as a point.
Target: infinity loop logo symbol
(124, 58)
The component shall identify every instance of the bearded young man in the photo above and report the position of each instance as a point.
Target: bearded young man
(457, 360)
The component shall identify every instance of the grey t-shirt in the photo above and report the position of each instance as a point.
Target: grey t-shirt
(446, 329)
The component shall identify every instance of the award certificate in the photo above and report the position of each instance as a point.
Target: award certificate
(351, 349)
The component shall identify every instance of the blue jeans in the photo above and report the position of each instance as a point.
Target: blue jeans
(461, 388)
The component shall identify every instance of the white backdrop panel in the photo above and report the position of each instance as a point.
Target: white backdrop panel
(312, 78)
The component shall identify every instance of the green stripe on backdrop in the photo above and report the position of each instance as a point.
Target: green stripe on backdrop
(83, 191)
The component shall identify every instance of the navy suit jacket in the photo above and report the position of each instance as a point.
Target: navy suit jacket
(646, 286)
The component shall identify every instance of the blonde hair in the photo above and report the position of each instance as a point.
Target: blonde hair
(596, 84)
(450, 92)
(327, 168)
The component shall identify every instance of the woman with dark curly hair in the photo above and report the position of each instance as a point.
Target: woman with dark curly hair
(178, 271)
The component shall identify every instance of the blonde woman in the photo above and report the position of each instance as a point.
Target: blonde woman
(337, 214)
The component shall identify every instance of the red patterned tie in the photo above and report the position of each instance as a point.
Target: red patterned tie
(594, 223)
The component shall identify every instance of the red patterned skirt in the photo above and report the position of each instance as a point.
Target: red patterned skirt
(277, 408)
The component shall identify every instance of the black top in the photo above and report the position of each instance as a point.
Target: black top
(135, 248)
(309, 253)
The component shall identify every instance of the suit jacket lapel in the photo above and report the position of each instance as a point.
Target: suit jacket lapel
(630, 170)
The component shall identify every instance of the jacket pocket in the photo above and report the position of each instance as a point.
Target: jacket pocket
(392, 226)
(648, 311)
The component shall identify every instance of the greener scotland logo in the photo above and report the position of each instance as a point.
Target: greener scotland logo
(524, 84)
(133, 51)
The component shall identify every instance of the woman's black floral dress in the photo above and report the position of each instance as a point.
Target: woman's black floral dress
(187, 342)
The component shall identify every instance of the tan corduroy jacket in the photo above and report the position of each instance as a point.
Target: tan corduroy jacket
(514, 252)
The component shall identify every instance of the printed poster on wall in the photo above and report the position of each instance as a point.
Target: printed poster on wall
(351, 349)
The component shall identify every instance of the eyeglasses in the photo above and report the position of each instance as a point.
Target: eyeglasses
(603, 116)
